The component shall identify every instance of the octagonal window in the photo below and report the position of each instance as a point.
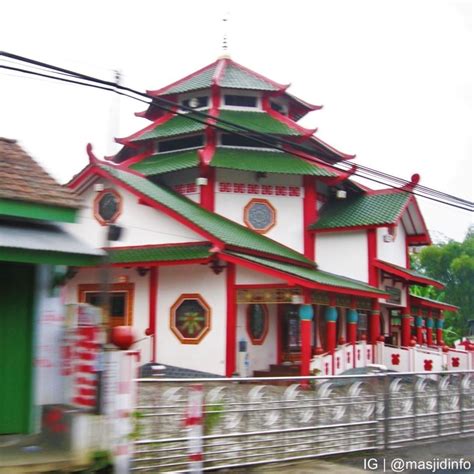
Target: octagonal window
(190, 318)
(259, 215)
(107, 206)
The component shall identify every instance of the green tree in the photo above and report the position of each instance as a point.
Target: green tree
(451, 263)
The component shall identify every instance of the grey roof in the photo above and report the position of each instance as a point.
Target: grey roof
(42, 237)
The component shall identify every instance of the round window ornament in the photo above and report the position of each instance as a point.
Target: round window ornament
(259, 215)
(107, 206)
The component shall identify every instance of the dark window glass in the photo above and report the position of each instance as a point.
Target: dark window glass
(196, 102)
(181, 143)
(240, 100)
(279, 108)
(238, 140)
(108, 206)
(257, 321)
(190, 319)
(117, 302)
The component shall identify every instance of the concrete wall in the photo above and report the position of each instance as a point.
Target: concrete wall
(289, 209)
(343, 253)
(209, 354)
(142, 224)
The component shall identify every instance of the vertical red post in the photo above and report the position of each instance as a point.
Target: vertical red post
(429, 329)
(206, 197)
(351, 319)
(310, 214)
(372, 256)
(231, 329)
(152, 300)
(439, 330)
(331, 318)
(306, 314)
(374, 323)
(419, 329)
(406, 327)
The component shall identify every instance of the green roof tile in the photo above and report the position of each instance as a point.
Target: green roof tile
(238, 78)
(199, 81)
(365, 210)
(260, 122)
(312, 274)
(265, 161)
(158, 253)
(178, 125)
(165, 163)
(225, 230)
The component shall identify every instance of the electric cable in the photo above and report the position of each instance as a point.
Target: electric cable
(267, 139)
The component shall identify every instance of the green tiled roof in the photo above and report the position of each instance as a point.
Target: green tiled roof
(235, 77)
(178, 125)
(165, 163)
(259, 122)
(225, 230)
(365, 210)
(199, 81)
(265, 161)
(158, 253)
(311, 274)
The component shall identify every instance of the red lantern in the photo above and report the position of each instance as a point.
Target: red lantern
(122, 337)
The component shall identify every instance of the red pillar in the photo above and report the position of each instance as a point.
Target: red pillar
(331, 318)
(406, 327)
(231, 329)
(351, 319)
(429, 329)
(419, 329)
(305, 346)
(152, 305)
(310, 214)
(374, 323)
(206, 198)
(439, 331)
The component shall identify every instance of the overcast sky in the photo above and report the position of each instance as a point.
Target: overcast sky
(395, 77)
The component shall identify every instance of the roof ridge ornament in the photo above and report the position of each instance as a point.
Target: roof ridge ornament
(411, 185)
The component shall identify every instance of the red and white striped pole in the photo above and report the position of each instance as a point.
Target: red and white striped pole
(194, 423)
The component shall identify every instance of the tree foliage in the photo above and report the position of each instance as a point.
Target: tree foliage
(452, 263)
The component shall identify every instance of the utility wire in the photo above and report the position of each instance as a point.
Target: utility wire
(201, 117)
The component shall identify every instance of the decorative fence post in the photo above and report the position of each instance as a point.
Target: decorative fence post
(194, 422)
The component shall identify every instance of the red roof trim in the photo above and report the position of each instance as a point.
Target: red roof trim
(166, 263)
(306, 132)
(433, 304)
(349, 228)
(156, 123)
(312, 159)
(390, 268)
(342, 177)
(426, 233)
(159, 246)
(163, 90)
(260, 76)
(291, 279)
(343, 156)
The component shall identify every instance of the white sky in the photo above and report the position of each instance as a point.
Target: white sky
(395, 77)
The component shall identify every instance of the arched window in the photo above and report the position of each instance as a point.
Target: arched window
(257, 323)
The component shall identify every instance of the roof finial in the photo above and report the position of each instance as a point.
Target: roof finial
(225, 36)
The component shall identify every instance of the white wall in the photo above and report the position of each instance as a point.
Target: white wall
(140, 309)
(260, 356)
(343, 253)
(244, 276)
(142, 224)
(289, 209)
(209, 354)
(393, 252)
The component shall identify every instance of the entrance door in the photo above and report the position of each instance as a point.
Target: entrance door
(291, 337)
(16, 326)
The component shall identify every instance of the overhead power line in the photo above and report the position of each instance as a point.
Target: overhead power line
(76, 78)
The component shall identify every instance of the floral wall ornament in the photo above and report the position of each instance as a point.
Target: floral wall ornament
(190, 318)
(259, 215)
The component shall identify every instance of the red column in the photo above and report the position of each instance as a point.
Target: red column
(331, 318)
(374, 323)
(439, 330)
(152, 305)
(429, 329)
(406, 327)
(372, 256)
(206, 198)
(310, 214)
(305, 346)
(351, 319)
(231, 329)
(419, 329)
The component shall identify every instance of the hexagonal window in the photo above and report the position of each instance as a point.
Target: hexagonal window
(107, 206)
(190, 318)
(259, 215)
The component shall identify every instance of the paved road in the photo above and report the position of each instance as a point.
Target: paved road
(438, 453)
